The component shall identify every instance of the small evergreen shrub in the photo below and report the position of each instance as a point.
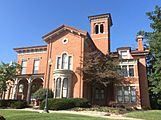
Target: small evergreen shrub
(63, 104)
(41, 94)
(58, 104)
(81, 102)
(18, 104)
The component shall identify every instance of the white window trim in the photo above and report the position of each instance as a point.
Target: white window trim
(99, 24)
(128, 71)
(66, 41)
(129, 90)
(38, 59)
(61, 61)
(128, 63)
(23, 67)
(128, 54)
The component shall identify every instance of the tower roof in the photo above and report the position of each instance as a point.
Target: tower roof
(107, 15)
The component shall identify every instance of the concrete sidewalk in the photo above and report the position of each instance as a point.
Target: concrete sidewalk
(86, 113)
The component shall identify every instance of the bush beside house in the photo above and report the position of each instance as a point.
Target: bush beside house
(63, 104)
(18, 104)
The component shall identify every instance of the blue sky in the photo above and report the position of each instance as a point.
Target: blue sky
(24, 22)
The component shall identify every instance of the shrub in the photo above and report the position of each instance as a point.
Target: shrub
(81, 102)
(41, 94)
(18, 104)
(58, 104)
(63, 104)
(13, 104)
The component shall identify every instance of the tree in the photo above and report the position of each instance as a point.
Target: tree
(154, 58)
(100, 68)
(8, 71)
(40, 94)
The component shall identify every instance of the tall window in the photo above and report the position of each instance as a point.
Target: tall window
(133, 94)
(99, 94)
(123, 54)
(58, 63)
(20, 88)
(96, 29)
(131, 70)
(62, 88)
(99, 28)
(65, 87)
(24, 66)
(36, 66)
(119, 94)
(124, 71)
(58, 87)
(126, 94)
(70, 62)
(64, 61)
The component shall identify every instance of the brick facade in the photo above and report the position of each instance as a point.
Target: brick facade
(66, 47)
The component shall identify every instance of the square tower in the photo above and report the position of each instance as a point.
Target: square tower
(100, 31)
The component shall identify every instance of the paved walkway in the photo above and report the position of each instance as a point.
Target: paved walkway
(87, 113)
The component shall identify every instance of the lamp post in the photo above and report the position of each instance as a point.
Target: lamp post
(47, 92)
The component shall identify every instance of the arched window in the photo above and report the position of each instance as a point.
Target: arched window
(96, 29)
(58, 87)
(21, 87)
(101, 28)
(65, 87)
(64, 61)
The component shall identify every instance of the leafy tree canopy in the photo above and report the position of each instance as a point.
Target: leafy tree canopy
(153, 40)
(8, 71)
(100, 68)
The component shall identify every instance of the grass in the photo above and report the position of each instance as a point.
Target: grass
(28, 115)
(146, 115)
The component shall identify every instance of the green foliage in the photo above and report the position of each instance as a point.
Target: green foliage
(18, 104)
(8, 71)
(153, 40)
(41, 94)
(63, 104)
(81, 102)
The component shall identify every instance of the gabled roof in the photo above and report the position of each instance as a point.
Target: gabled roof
(61, 29)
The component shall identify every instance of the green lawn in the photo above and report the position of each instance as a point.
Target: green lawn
(27, 115)
(146, 115)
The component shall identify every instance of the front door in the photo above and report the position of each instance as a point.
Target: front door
(99, 96)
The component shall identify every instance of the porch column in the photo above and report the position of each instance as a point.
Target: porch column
(15, 88)
(29, 90)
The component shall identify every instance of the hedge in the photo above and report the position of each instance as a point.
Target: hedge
(18, 104)
(63, 104)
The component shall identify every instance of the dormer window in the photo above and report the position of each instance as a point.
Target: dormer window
(99, 28)
(124, 54)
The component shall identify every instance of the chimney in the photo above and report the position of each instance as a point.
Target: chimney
(139, 39)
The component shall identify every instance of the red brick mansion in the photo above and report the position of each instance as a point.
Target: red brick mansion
(66, 48)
